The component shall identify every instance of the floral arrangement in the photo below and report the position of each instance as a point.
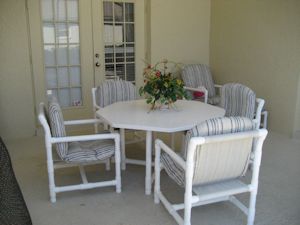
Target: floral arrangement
(161, 87)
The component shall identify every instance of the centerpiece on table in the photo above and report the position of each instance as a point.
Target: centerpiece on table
(161, 86)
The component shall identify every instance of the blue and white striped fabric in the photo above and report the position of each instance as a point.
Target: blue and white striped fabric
(85, 151)
(196, 75)
(112, 91)
(238, 100)
(57, 126)
(76, 151)
(217, 126)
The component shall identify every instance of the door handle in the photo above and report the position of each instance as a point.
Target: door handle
(97, 64)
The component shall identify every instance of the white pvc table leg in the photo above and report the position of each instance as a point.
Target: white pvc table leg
(123, 155)
(148, 162)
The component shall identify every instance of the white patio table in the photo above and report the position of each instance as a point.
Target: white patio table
(136, 115)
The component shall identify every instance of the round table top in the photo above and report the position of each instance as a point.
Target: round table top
(137, 115)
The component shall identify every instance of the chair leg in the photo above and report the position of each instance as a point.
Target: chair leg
(187, 208)
(173, 140)
(251, 213)
(96, 125)
(265, 118)
(107, 165)
(123, 154)
(157, 174)
(50, 168)
(118, 167)
(83, 174)
(52, 187)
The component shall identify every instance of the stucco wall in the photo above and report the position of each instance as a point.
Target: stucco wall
(257, 43)
(180, 30)
(17, 118)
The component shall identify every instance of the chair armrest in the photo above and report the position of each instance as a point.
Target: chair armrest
(81, 122)
(160, 145)
(91, 137)
(218, 86)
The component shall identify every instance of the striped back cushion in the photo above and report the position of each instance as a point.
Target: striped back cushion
(57, 126)
(197, 75)
(112, 91)
(223, 160)
(238, 100)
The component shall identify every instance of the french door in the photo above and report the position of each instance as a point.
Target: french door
(77, 44)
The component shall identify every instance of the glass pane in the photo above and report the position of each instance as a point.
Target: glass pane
(108, 33)
(73, 33)
(48, 33)
(47, 12)
(72, 8)
(61, 33)
(49, 53)
(64, 97)
(76, 97)
(107, 11)
(54, 93)
(60, 10)
(109, 71)
(63, 78)
(130, 72)
(118, 35)
(130, 52)
(62, 55)
(129, 32)
(119, 53)
(109, 53)
(120, 71)
(118, 6)
(74, 55)
(75, 76)
(51, 78)
(129, 10)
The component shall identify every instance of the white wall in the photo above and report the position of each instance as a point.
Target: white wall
(180, 30)
(17, 118)
(257, 43)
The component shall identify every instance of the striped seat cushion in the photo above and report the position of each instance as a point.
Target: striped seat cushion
(196, 75)
(112, 91)
(85, 151)
(216, 126)
(57, 126)
(238, 100)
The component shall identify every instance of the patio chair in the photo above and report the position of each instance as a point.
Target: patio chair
(197, 78)
(13, 209)
(76, 151)
(109, 92)
(240, 100)
(215, 157)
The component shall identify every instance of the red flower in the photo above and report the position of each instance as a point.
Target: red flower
(157, 73)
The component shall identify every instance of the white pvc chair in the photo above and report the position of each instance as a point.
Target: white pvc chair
(240, 100)
(77, 150)
(216, 157)
(198, 78)
(109, 92)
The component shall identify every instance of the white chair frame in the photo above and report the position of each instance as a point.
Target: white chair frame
(221, 193)
(258, 113)
(52, 165)
(137, 137)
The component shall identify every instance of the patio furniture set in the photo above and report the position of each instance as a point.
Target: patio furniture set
(222, 141)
